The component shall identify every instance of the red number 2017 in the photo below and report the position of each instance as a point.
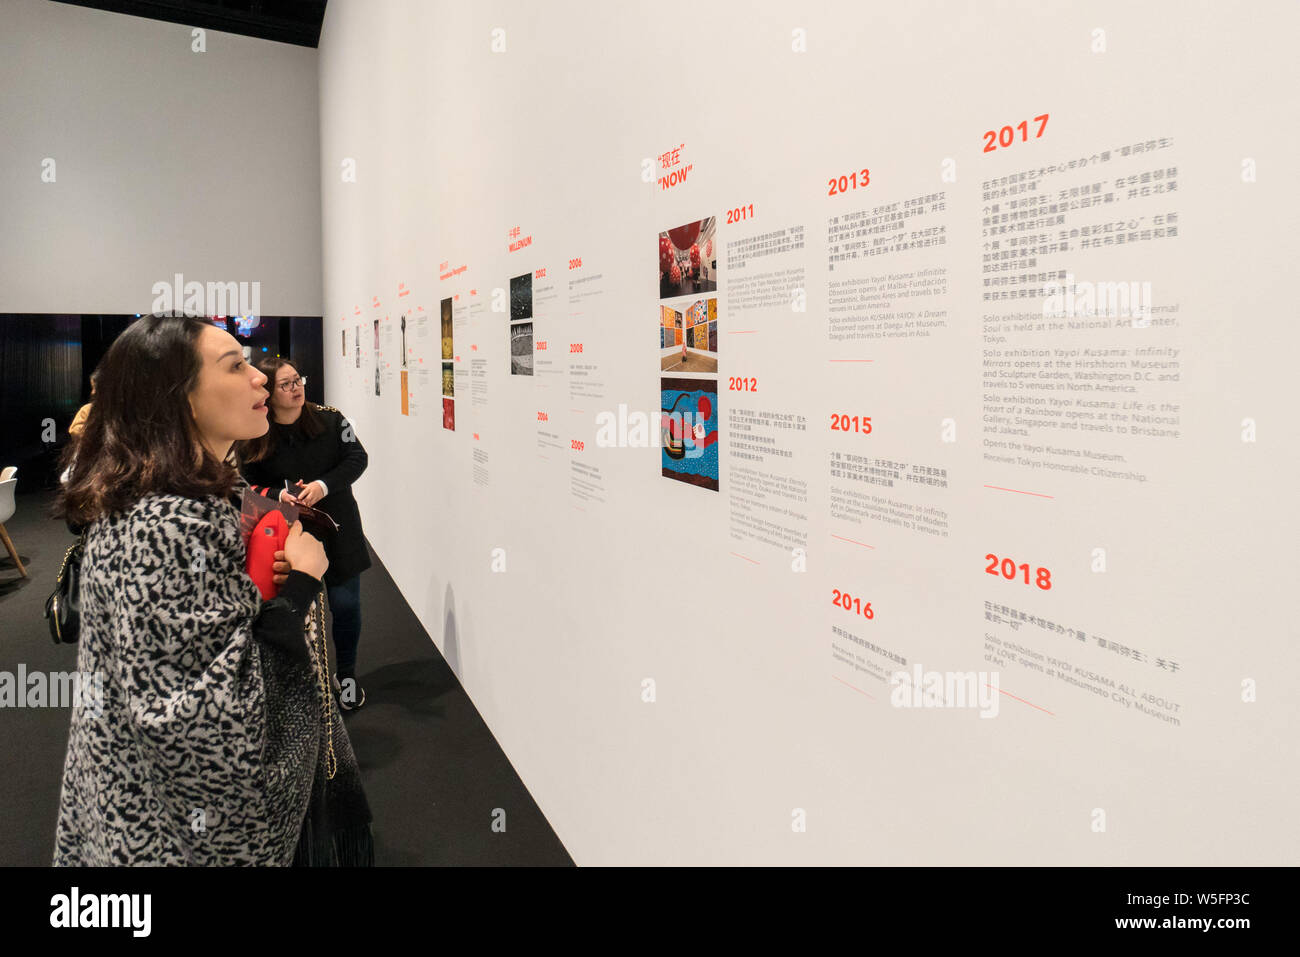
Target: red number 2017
(1007, 135)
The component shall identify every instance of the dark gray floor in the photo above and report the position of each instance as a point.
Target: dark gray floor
(433, 772)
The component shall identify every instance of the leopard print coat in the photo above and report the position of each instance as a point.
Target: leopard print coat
(208, 745)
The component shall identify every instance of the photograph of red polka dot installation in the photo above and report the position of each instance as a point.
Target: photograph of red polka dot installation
(688, 262)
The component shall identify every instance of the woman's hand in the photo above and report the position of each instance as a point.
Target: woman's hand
(303, 552)
(311, 494)
(280, 569)
(288, 497)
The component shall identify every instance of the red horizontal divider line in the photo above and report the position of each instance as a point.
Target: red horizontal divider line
(1021, 700)
(858, 690)
(1001, 489)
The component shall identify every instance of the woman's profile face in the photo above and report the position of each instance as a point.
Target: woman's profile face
(229, 402)
(282, 401)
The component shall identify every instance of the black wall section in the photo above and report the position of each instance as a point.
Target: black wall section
(285, 21)
(305, 349)
(40, 386)
(97, 334)
(45, 367)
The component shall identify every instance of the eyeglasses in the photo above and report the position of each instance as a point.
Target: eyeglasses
(290, 384)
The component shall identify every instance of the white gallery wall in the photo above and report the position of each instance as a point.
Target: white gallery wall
(688, 671)
(128, 156)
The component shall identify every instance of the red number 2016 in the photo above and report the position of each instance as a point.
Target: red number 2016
(851, 603)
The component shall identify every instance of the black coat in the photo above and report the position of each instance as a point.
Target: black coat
(337, 459)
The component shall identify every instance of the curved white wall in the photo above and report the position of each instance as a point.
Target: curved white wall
(454, 144)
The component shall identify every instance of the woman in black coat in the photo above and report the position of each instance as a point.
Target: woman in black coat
(315, 445)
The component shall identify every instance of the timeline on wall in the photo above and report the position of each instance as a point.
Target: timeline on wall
(811, 367)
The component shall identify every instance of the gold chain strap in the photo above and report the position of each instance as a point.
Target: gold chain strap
(58, 581)
(66, 555)
(327, 696)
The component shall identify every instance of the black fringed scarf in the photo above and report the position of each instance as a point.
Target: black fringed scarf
(336, 828)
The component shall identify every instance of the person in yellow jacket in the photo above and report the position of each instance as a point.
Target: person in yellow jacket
(79, 421)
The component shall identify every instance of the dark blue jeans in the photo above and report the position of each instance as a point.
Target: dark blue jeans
(345, 614)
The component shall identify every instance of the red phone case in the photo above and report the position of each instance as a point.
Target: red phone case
(269, 536)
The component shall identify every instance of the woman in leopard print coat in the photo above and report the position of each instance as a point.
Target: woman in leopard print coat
(214, 742)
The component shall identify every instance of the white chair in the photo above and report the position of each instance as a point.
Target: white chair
(6, 513)
(10, 471)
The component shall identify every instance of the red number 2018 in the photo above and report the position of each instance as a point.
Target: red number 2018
(1009, 570)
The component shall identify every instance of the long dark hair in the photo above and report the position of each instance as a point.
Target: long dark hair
(140, 437)
(308, 424)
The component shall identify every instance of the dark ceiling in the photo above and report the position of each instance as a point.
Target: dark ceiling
(288, 21)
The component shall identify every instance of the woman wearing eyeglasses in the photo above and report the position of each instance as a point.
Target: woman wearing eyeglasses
(313, 456)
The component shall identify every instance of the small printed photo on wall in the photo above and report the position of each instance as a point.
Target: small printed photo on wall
(689, 431)
(688, 341)
(521, 348)
(448, 348)
(687, 259)
(521, 297)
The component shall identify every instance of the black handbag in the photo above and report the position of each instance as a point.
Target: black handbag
(63, 607)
